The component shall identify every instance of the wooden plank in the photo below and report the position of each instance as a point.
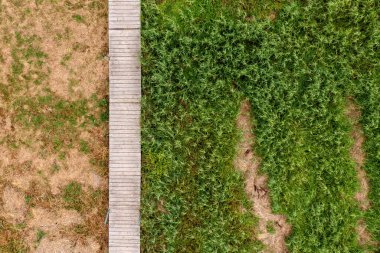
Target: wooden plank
(124, 126)
(124, 170)
(128, 132)
(124, 93)
(123, 116)
(120, 169)
(123, 24)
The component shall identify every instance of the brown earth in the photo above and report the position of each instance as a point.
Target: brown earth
(14, 207)
(256, 188)
(52, 244)
(358, 155)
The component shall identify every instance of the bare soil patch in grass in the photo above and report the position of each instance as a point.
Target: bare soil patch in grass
(64, 245)
(272, 229)
(358, 155)
(14, 207)
(78, 169)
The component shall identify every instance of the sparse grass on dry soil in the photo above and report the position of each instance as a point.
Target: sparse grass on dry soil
(53, 131)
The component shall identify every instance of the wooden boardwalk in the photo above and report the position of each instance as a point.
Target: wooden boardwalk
(124, 126)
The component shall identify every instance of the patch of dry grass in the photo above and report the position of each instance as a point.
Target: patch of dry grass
(53, 125)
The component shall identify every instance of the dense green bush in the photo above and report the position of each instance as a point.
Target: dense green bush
(200, 59)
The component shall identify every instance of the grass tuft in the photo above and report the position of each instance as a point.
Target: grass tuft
(72, 195)
(40, 235)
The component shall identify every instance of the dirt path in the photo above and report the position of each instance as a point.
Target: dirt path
(273, 228)
(358, 155)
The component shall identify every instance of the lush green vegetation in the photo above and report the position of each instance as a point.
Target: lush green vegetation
(192, 196)
(369, 98)
(200, 59)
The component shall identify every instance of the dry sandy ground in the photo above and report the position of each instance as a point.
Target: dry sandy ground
(272, 228)
(53, 169)
(358, 155)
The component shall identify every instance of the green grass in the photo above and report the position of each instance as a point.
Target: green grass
(369, 98)
(84, 147)
(25, 52)
(73, 196)
(365, 58)
(28, 198)
(200, 59)
(11, 238)
(78, 18)
(40, 235)
(189, 140)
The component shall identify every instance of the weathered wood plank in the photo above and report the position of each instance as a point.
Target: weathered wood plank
(124, 126)
(123, 25)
